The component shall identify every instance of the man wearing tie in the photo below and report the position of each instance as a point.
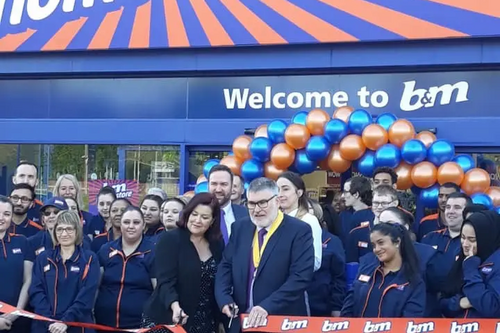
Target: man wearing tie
(268, 263)
(220, 182)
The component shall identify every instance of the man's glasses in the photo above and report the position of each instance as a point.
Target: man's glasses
(262, 203)
(16, 198)
(381, 203)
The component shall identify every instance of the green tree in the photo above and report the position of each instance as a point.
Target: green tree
(68, 159)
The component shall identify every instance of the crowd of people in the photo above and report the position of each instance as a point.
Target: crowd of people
(202, 260)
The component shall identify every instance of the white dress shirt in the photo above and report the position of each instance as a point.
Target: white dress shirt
(228, 217)
(316, 233)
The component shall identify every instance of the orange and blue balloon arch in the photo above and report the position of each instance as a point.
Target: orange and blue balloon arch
(317, 140)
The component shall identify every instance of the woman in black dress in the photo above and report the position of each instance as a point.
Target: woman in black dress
(186, 263)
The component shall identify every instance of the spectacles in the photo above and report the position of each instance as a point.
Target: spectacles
(16, 198)
(381, 203)
(262, 204)
(47, 214)
(69, 230)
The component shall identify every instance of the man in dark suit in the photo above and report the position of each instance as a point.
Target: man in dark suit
(220, 183)
(268, 263)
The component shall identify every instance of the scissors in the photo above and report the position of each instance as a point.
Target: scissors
(234, 311)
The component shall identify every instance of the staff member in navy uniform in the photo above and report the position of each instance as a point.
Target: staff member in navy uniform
(151, 208)
(27, 173)
(116, 211)
(102, 222)
(429, 265)
(391, 286)
(128, 277)
(358, 241)
(65, 279)
(16, 264)
(22, 197)
(357, 195)
(474, 281)
(45, 240)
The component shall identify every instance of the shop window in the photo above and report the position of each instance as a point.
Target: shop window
(197, 159)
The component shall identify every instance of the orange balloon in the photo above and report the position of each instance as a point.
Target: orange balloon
(271, 171)
(189, 194)
(476, 181)
(233, 163)
(404, 176)
(336, 162)
(424, 174)
(282, 155)
(261, 131)
(426, 137)
(297, 135)
(343, 113)
(400, 132)
(316, 121)
(201, 179)
(352, 147)
(494, 193)
(374, 136)
(241, 147)
(450, 172)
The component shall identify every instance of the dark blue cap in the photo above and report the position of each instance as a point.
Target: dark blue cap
(56, 202)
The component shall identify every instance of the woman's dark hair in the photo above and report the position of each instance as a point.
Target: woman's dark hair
(399, 234)
(4, 199)
(153, 197)
(486, 225)
(133, 209)
(363, 187)
(205, 199)
(106, 190)
(299, 184)
(473, 208)
(118, 200)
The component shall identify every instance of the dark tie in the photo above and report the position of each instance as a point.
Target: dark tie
(262, 234)
(223, 227)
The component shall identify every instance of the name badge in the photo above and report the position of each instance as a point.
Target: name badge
(75, 269)
(40, 250)
(435, 247)
(113, 253)
(46, 268)
(17, 251)
(364, 278)
(486, 270)
(97, 232)
(364, 224)
(363, 244)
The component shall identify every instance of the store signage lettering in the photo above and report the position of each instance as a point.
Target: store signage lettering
(121, 190)
(35, 11)
(413, 97)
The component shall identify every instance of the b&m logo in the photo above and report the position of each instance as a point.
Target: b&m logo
(329, 326)
(427, 327)
(465, 328)
(416, 98)
(292, 325)
(377, 327)
(245, 323)
(121, 190)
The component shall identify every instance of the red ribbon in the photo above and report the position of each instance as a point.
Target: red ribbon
(8, 309)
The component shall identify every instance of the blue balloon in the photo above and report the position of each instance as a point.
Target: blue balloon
(276, 131)
(429, 196)
(386, 120)
(497, 209)
(441, 151)
(209, 165)
(201, 187)
(366, 164)
(336, 130)
(465, 161)
(413, 151)
(482, 199)
(245, 186)
(302, 163)
(260, 148)
(252, 169)
(358, 120)
(388, 156)
(317, 148)
(416, 190)
(300, 118)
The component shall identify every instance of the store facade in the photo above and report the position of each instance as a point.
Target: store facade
(155, 115)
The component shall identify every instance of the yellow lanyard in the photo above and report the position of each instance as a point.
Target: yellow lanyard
(256, 251)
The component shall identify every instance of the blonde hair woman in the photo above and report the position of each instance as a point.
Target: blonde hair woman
(65, 279)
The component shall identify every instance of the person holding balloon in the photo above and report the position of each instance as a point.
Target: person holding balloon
(358, 242)
(437, 221)
(473, 289)
(293, 202)
(447, 241)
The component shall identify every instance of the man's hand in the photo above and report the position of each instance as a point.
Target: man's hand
(58, 328)
(257, 317)
(464, 303)
(230, 310)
